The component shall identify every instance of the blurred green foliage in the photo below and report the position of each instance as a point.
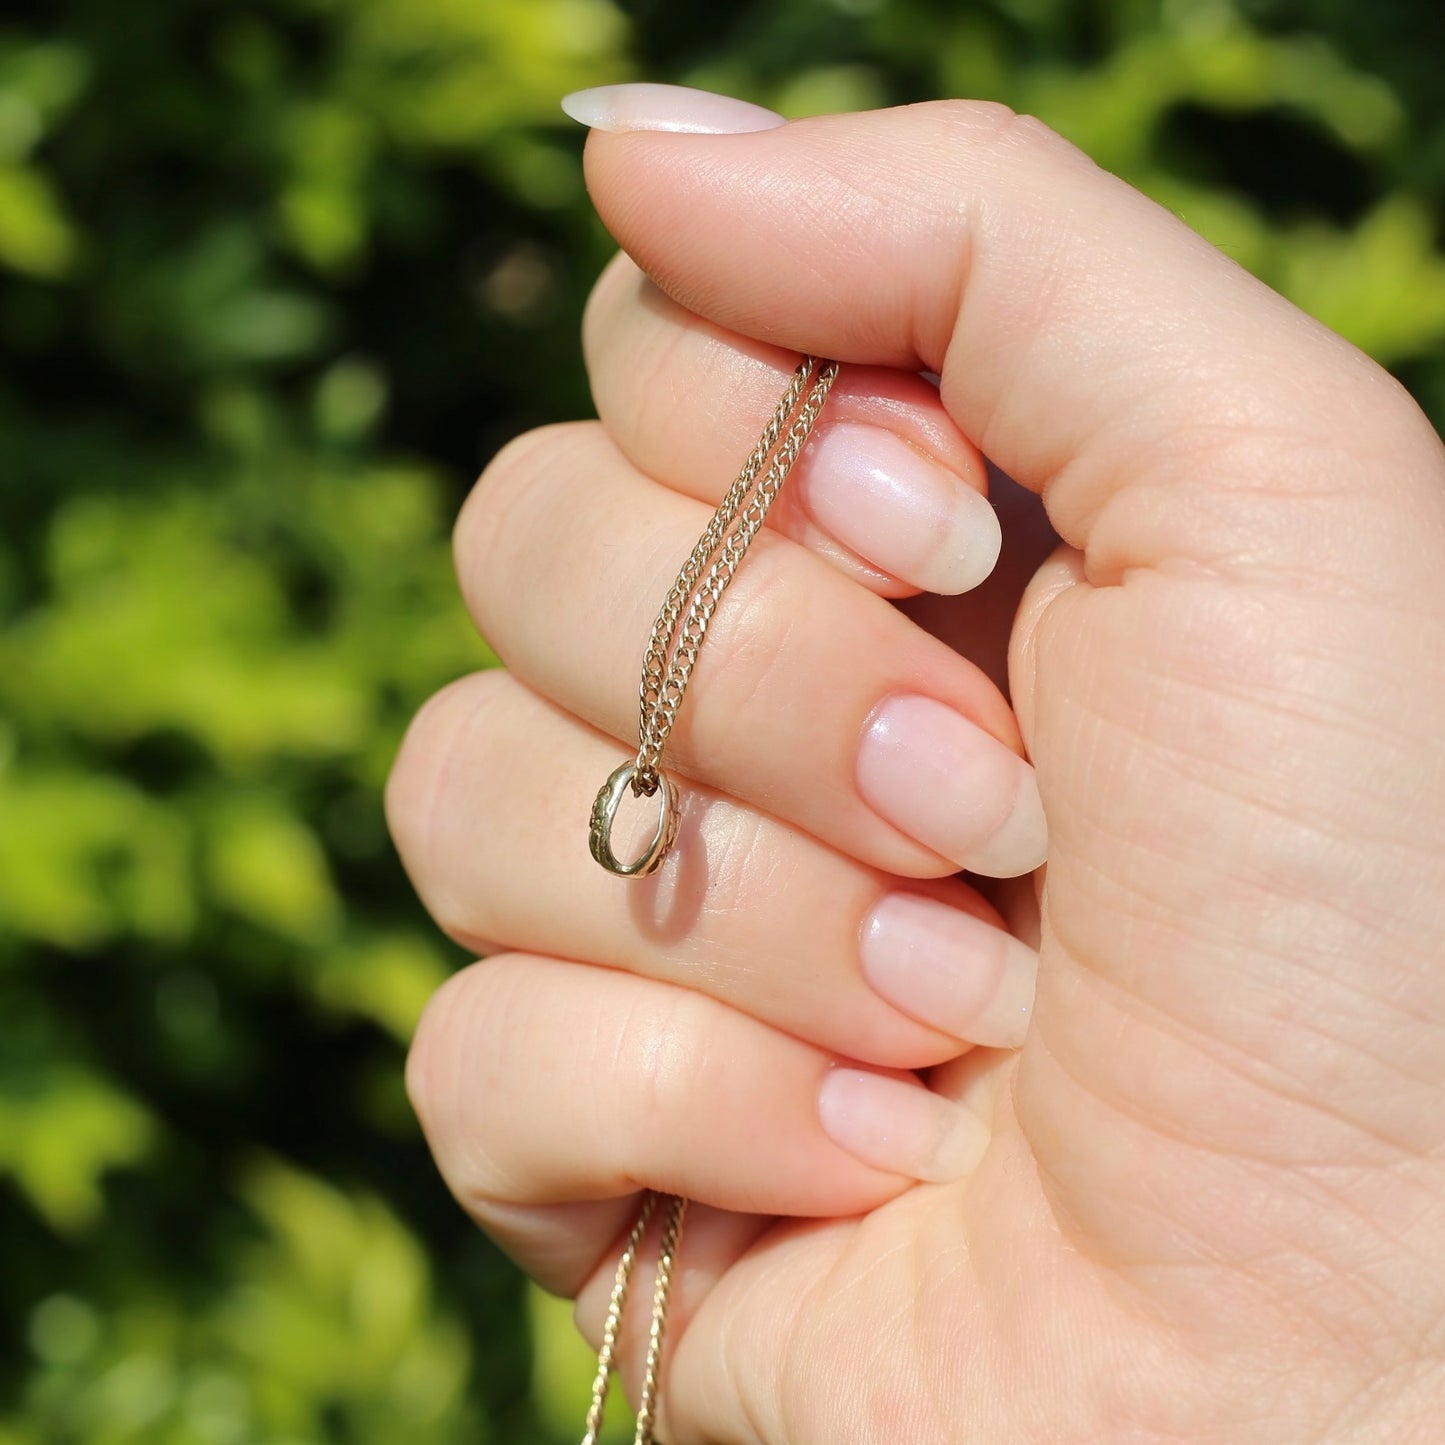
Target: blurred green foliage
(275, 279)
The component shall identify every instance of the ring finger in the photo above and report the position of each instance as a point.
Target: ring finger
(486, 804)
(814, 699)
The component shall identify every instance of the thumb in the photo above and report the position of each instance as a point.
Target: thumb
(1082, 334)
(1245, 806)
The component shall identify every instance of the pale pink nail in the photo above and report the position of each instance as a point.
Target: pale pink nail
(948, 969)
(955, 788)
(643, 106)
(899, 1126)
(899, 509)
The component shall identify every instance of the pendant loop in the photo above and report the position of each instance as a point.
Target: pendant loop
(604, 815)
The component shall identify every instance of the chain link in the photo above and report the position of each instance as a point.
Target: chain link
(672, 653)
(676, 640)
(666, 1258)
(605, 1356)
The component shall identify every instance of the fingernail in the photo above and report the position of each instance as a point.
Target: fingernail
(948, 969)
(642, 106)
(952, 786)
(899, 1126)
(899, 509)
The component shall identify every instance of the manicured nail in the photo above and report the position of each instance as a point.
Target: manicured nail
(952, 786)
(899, 509)
(899, 1126)
(666, 107)
(948, 969)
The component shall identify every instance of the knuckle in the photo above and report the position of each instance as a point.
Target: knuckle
(957, 116)
(451, 1085)
(490, 529)
(1018, 131)
(421, 764)
(648, 359)
(447, 734)
(432, 1084)
(665, 1057)
(613, 289)
(999, 126)
(1407, 432)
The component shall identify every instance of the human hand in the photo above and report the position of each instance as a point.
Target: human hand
(1211, 1206)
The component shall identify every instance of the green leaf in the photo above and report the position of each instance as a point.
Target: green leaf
(60, 1134)
(263, 863)
(387, 978)
(36, 235)
(84, 858)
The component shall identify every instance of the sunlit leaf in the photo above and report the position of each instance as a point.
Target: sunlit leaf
(61, 1134)
(265, 864)
(36, 235)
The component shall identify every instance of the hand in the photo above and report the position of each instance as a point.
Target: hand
(1211, 1201)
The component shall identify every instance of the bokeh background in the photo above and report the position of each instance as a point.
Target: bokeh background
(275, 280)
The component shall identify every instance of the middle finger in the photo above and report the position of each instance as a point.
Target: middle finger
(813, 699)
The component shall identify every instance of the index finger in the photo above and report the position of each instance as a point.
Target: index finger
(1087, 340)
(888, 489)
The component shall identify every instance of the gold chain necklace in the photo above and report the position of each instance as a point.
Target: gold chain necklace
(672, 653)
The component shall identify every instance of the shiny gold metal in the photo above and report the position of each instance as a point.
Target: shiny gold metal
(691, 604)
(672, 653)
(666, 1258)
(606, 1354)
(604, 815)
(677, 636)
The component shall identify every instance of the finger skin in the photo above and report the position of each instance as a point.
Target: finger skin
(540, 1081)
(1231, 1104)
(1086, 340)
(485, 803)
(563, 551)
(1251, 500)
(683, 401)
(1212, 1213)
